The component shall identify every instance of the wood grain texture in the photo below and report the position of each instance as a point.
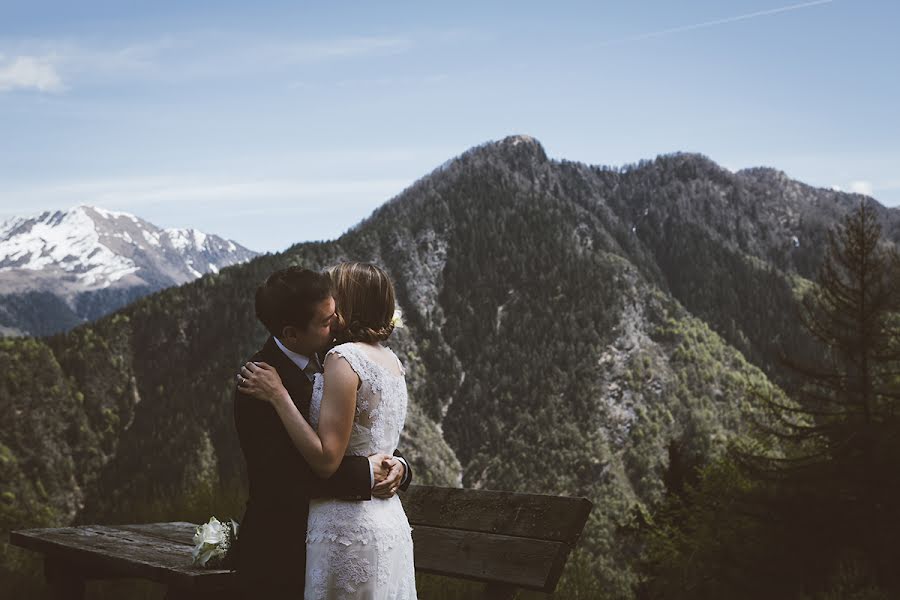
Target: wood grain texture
(487, 557)
(65, 582)
(507, 540)
(180, 532)
(113, 552)
(499, 591)
(506, 513)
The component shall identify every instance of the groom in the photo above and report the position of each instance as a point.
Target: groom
(297, 307)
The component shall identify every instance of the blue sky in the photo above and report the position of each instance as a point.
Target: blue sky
(273, 123)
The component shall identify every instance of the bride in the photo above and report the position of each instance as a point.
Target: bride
(358, 550)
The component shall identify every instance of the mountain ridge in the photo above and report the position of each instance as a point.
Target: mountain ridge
(78, 264)
(569, 330)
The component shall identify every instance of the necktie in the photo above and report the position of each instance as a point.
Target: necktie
(312, 367)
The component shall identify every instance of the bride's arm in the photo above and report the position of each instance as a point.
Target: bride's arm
(323, 450)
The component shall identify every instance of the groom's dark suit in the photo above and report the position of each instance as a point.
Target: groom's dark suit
(270, 555)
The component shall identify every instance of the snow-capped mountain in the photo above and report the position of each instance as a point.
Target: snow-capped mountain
(88, 261)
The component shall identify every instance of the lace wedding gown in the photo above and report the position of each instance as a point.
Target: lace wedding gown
(362, 550)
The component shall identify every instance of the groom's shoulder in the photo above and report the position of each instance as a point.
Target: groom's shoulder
(264, 353)
(240, 398)
(258, 356)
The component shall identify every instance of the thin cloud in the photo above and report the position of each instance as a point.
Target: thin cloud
(134, 192)
(761, 13)
(29, 73)
(43, 64)
(339, 48)
(372, 82)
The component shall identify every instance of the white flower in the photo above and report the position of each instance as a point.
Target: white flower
(212, 532)
(212, 541)
(397, 319)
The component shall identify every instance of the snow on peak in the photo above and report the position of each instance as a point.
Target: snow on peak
(66, 240)
(94, 247)
(184, 239)
(9, 224)
(110, 214)
(521, 139)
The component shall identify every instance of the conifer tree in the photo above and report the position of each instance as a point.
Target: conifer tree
(838, 482)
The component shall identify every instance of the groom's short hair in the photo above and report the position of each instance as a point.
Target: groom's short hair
(289, 297)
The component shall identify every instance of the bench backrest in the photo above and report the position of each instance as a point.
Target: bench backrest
(520, 540)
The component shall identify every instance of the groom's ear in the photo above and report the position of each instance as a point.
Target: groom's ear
(289, 333)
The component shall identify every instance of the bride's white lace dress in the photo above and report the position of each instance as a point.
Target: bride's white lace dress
(362, 550)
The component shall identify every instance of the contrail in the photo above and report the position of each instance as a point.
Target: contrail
(761, 13)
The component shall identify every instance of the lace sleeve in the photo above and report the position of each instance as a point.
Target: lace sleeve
(351, 354)
(367, 395)
(399, 364)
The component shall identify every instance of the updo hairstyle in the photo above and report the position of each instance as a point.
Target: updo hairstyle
(365, 302)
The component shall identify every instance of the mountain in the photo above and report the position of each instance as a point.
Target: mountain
(570, 329)
(62, 268)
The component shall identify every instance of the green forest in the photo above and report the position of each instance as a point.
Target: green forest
(712, 358)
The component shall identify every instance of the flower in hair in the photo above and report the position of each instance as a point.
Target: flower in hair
(397, 319)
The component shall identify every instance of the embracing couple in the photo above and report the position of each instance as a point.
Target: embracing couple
(319, 410)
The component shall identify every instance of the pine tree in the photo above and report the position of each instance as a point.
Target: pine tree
(839, 481)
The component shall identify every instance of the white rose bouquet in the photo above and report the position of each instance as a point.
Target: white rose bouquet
(212, 541)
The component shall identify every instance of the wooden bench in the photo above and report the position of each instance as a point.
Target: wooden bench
(506, 540)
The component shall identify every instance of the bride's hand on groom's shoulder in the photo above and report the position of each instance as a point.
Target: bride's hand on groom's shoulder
(260, 380)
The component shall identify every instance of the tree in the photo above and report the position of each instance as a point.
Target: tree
(838, 481)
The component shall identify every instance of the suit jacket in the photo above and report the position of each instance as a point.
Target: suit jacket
(270, 553)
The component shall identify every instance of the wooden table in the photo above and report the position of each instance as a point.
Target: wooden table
(159, 552)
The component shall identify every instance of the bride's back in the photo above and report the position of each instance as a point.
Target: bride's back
(363, 550)
(381, 400)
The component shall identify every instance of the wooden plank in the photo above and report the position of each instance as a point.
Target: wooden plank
(119, 553)
(556, 569)
(54, 568)
(517, 561)
(65, 583)
(506, 513)
(180, 532)
(499, 591)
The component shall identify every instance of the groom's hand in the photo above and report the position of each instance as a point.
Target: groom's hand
(380, 468)
(388, 487)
